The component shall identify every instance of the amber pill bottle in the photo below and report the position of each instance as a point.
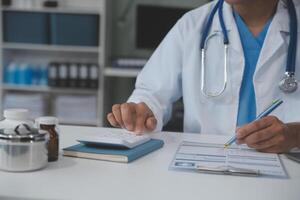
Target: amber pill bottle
(50, 124)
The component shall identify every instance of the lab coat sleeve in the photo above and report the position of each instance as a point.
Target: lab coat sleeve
(159, 83)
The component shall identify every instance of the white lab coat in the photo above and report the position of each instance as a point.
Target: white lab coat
(174, 71)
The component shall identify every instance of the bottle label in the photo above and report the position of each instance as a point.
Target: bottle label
(63, 71)
(73, 72)
(83, 72)
(52, 72)
(94, 72)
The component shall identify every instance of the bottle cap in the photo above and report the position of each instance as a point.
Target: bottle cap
(47, 120)
(18, 114)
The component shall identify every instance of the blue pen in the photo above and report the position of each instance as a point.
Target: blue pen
(275, 104)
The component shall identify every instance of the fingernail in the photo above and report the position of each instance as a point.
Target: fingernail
(239, 142)
(138, 131)
(130, 128)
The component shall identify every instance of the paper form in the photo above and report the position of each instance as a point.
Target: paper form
(191, 155)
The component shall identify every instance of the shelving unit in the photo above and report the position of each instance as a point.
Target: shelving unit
(46, 89)
(69, 10)
(44, 47)
(116, 39)
(46, 53)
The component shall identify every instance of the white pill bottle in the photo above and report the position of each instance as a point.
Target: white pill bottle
(14, 118)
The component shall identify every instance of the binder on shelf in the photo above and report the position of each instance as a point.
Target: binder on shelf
(26, 27)
(75, 29)
(73, 75)
(63, 74)
(93, 76)
(53, 75)
(83, 76)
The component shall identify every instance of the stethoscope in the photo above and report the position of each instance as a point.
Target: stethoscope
(288, 84)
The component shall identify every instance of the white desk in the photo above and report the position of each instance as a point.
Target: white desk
(146, 178)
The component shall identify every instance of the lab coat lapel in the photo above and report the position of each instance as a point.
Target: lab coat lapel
(236, 61)
(236, 52)
(274, 40)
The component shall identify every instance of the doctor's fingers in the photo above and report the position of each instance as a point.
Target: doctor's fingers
(277, 148)
(274, 143)
(116, 110)
(111, 119)
(259, 136)
(151, 123)
(128, 113)
(273, 149)
(143, 113)
(244, 131)
(275, 138)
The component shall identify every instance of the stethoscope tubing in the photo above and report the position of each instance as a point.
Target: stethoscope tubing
(292, 51)
(288, 83)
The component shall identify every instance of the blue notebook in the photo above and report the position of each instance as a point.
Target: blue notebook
(114, 155)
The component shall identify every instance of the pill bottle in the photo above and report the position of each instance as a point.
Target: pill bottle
(10, 73)
(51, 125)
(14, 118)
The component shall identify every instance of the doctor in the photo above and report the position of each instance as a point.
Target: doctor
(220, 95)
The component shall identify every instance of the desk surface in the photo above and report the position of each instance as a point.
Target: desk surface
(146, 178)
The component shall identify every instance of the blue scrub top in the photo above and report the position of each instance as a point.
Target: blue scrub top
(252, 47)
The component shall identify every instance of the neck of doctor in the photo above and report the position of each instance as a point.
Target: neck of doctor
(256, 13)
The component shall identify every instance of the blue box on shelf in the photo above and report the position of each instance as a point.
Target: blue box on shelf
(75, 29)
(26, 27)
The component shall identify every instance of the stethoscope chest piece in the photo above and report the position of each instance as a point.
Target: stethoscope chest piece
(289, 83)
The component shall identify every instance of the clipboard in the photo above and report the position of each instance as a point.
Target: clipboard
(229, 170)
(214, 159)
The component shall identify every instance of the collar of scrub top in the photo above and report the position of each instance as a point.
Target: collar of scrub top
(289, 78)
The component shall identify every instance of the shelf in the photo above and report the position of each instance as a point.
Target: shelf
(45, 47)
(44, 53)
(121, 72)
(46, 89)
(75, 10)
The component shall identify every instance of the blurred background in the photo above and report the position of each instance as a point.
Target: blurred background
(74, 59)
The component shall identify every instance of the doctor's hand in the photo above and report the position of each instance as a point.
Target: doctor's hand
(133, 117)
(269, 135)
